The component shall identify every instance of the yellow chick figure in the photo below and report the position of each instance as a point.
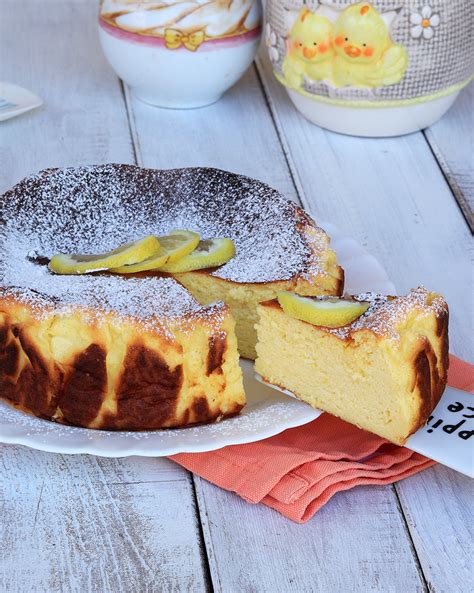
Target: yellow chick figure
(310, 49)
(365, 54)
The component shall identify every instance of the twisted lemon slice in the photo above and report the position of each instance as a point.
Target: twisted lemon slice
(208, 254)
(328, 312)
(172, 247)
(130, 253)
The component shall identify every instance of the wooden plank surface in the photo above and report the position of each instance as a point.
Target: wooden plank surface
(236, 134)
(438, 507)
(83, 523)
(356, 543)
(53, 50)
(79, 523)
(452, 142)
(244, 140)
(391, 196)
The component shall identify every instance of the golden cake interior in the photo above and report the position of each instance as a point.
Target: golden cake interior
(385, 372)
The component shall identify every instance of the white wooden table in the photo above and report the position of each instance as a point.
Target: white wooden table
(81, 523)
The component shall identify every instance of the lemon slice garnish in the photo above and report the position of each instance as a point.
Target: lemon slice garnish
(172, 247)
(130, 253)
(179, 243)
(208, 254)
(324, 312)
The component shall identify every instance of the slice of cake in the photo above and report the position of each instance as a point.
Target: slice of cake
(119, 354)
(384, 372)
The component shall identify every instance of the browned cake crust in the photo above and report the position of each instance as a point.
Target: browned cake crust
(147, 382)
(430, 370)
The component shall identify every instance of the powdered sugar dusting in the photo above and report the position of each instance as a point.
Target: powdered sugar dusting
(94, 209)
(386, 313)
(155, 304)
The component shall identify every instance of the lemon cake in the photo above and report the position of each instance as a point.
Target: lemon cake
(385, 371)
(147, 350)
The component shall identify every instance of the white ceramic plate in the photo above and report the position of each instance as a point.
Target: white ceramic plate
(15, 100)
(267, 412)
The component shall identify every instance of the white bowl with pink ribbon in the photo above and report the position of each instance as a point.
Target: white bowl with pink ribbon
(182, 54)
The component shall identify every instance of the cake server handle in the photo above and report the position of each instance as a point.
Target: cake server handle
(448, 436)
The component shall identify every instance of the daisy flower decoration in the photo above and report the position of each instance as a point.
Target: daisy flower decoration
(424, 23)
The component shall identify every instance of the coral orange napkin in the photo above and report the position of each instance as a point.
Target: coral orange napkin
(298, 471)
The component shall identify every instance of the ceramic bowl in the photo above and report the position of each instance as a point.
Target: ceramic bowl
(181, 54)
(380, 68)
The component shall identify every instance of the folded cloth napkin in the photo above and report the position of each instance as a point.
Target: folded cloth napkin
(298, 471)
